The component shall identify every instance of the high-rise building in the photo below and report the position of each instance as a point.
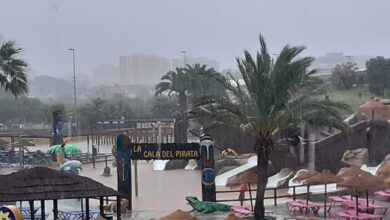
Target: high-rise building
(142, 69)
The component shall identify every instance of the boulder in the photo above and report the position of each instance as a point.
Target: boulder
(355, 157)
(386, 161)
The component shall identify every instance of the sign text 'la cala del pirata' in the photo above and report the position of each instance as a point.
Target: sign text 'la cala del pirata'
(152, 151)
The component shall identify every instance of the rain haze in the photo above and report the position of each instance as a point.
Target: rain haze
(101, 31)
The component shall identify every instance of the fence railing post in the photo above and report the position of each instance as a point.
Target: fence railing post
(275, 199)
(294, 193)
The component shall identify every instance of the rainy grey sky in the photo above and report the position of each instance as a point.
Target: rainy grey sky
(101, 31)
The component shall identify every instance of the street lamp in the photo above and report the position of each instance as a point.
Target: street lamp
(185, 57)
(74, 86)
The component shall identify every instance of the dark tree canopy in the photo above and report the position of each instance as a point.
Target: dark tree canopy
(378, 71)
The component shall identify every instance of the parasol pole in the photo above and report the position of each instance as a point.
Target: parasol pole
(308, 192)
(357, 203)
(325, 202)
(367, 199)
(250, 195)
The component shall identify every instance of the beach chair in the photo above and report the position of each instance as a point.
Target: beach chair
(383, 194)
(362, 207)
(351, 215)
(242, 211)
(303, 206)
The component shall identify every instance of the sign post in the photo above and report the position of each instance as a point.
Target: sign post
(207, 166)
(123, 159)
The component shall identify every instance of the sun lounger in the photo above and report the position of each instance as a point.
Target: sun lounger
(351, 215)
(240, 210)
(383, 194)
(362, 206)
(303, 206)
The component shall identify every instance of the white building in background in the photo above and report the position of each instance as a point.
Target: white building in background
(142, 69)
(105, 75)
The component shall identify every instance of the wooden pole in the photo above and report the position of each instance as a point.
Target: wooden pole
(32, 213)
(87, 208)
(250, 195)
(101, 206)
(55, 209)
(118, 207)
(135, 177)
(43, 210)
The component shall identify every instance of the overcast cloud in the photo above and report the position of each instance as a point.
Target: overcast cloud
(101, 31)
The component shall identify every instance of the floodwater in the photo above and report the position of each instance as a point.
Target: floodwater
(157, 192)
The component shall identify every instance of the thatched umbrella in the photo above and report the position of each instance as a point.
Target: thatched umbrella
(347, 172)
(362, 183)
(384, 171)
(324, 177)
(248, 178)
(179, 215)
(232, 216)
(305, 176)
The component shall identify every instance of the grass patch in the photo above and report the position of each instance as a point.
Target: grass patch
(350, 96)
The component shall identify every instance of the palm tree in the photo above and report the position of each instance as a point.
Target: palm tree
(267, 103)
(187, 83)
(13, 77)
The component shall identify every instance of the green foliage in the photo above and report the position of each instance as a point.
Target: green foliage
(268, 103)
(21, 110)
(344, 76)
(378, 71)
(13, 77)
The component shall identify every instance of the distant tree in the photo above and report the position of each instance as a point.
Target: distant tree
(187, 83)
(344, 76)
(378, 72)
(13, 78)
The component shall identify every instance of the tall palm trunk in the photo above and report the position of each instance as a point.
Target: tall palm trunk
(181, 122)
(262, 148)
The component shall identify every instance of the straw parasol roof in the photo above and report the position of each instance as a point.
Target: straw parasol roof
(232, 216)
(362, 182)
(247, 177)
(350, 172)
(41, 183)
(372, 104)
(384, 171)
(386, 182)
(307, 175)
(323, 178)
(179, 215)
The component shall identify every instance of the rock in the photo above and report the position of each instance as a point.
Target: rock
(225, 169)
(386, 161)
(355, 157)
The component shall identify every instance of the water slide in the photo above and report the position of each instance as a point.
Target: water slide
(221, 180)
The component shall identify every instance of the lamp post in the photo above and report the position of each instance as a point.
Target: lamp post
(185, 57)
(74, 86)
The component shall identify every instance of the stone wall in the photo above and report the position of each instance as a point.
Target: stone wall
(329, 151)
(378, 141)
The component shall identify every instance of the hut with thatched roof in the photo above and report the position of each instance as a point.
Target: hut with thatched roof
(41, 183)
